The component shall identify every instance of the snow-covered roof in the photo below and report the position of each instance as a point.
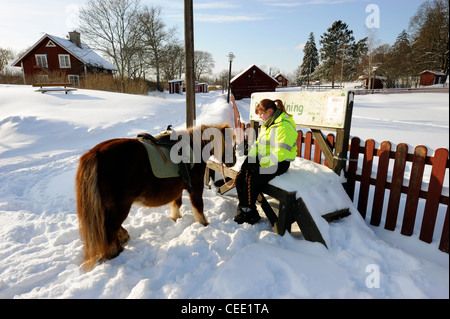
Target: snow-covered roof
(365, 76)
(251, 66)
(85, 54)
(434, 72)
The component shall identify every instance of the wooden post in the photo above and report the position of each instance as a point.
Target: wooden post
(189, 61)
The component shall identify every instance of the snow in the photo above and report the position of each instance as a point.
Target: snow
(43, 135)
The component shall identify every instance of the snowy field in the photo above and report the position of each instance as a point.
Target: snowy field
(43, 135)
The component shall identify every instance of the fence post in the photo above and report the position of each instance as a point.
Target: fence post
(380, 184)
(415, 184)
(364, 187)
(434, 192)
(396, 186)
(353, 167)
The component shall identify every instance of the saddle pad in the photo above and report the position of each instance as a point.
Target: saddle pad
(160, 168)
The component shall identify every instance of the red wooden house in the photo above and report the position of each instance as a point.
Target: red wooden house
(252, 80)
(69, 57)
(282, 80)
(432, 77)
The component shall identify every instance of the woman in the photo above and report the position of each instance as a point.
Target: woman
(270, 156)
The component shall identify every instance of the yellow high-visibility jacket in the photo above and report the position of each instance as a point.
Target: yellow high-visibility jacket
(276, 143)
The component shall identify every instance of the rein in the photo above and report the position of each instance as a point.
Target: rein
(247, 178)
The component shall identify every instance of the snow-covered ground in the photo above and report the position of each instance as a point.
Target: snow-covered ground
(43, 135)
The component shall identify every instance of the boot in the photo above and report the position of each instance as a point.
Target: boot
(247, 215)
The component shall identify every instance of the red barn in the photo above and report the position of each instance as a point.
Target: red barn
(431, 77)
(252, 80)
(54, 55)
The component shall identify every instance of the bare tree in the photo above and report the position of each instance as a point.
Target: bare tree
(203, 63)
(110, 27)
(172, 61)
(6, 55)
(154, 36)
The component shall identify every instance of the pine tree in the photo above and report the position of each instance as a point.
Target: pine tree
(310, 58)
(398, 66)
(337, 51)
(430, 32)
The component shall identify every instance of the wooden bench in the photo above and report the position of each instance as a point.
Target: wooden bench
(56, 87)
(311, 110)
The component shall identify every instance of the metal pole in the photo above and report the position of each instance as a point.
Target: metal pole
(229, 80)
(189, 61)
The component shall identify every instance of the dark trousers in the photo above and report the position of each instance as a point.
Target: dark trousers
(252, 180)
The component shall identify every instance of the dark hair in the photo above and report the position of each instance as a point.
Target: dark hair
(266, 104)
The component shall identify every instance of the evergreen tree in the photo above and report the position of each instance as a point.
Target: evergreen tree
(398, 67)
(310, 58)
(337, 51)
(430, 31)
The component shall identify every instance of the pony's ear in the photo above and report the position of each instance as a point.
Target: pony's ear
(223, 126)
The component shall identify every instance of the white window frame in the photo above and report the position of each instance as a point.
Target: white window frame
(74, 79)
(41, 60)
(50, 44)
(64, 61)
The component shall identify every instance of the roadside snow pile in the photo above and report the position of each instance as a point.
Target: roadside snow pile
(41, 139)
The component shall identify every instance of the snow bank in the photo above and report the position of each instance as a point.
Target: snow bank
(41, 139)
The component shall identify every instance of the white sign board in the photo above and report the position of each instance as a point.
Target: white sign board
(321, 109)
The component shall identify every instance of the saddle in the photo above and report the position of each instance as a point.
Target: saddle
(158, 151)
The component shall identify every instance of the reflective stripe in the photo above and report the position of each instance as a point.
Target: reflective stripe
(273, 158)
(284, 145)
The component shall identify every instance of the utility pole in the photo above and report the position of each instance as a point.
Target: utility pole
(189, 61)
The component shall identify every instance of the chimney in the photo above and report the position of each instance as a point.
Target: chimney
(74, 37)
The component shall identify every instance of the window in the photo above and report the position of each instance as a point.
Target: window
(64, 61)
(41, 60)
(74, 79)
(50, 44)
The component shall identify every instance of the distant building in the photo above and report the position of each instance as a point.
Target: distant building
(202, 88)
(377, 82)
(252, 80)
(176, 86)
(282, 80)
(428, 77)
(68, 57)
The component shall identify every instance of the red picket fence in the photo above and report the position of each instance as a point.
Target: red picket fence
(389, 184)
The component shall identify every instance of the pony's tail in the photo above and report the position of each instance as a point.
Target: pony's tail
(91, 217)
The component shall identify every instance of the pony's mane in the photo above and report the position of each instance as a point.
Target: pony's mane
(203, 127)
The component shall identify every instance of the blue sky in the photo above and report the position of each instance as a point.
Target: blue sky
(268, 33)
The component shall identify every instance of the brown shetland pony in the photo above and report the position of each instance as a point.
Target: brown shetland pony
(114, 175)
